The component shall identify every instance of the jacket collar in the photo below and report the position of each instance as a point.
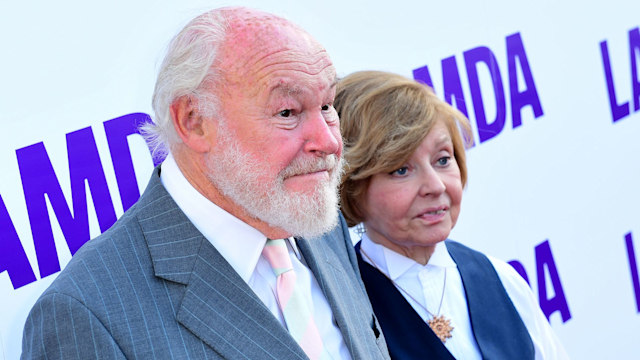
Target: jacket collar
(217, 306)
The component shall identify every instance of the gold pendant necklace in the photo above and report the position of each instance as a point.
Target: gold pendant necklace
(440, 325)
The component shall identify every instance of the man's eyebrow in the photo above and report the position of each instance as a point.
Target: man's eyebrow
(285, 89)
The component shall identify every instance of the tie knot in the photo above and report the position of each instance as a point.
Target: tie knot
(277, 254)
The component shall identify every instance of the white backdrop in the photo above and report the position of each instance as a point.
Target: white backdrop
(557, 193)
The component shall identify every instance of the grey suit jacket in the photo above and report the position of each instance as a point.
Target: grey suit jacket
(152, 287)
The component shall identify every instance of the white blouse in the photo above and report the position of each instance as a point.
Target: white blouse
(425, 284)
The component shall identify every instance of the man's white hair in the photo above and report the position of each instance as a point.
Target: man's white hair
(186, 71)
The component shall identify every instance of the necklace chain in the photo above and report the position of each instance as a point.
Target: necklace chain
(405, 291)
(439, 324)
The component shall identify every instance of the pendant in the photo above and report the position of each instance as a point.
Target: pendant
(441, 327)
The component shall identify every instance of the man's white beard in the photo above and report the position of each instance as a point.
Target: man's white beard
(240, 177)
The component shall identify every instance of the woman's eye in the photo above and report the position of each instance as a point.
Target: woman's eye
(444, 160)
(326, 107)
(285, 113)
(402, 171)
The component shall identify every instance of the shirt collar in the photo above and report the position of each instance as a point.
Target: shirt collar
(239, 243)
(395, 264)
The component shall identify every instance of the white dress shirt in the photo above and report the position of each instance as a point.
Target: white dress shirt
(425, 285)
(241, 245)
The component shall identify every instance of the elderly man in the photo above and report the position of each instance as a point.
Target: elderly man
(236, 249)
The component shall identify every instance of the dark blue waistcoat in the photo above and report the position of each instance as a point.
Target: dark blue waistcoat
(497, 327)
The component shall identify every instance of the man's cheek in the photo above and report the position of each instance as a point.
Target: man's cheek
(338, 138)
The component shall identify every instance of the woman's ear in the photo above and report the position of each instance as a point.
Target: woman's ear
(194, 129)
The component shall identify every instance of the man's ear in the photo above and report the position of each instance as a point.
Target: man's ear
(190, 125)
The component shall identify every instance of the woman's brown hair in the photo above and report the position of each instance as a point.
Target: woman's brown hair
(383, 119)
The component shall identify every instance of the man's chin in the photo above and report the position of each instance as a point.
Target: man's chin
(316, 228)
(315, 212)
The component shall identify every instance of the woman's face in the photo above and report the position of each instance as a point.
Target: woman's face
(417, 205)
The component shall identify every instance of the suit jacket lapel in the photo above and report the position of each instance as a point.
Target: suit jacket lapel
(217, 305)
(322, 260)
(221, 309)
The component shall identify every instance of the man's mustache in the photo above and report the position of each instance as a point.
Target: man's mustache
(307, 165)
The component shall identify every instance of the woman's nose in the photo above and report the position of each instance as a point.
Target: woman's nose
(431, 182)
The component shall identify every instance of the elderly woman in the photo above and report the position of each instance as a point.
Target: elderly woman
(434, 298)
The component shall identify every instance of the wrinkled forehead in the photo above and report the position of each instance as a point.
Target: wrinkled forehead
(248, 22)
(258, 43)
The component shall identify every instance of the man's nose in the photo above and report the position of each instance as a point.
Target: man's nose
(321, 137)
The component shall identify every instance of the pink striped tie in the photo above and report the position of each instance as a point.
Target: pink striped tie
(295, 309)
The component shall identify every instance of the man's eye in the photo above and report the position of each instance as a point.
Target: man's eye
(402, 171)
(285, 113)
